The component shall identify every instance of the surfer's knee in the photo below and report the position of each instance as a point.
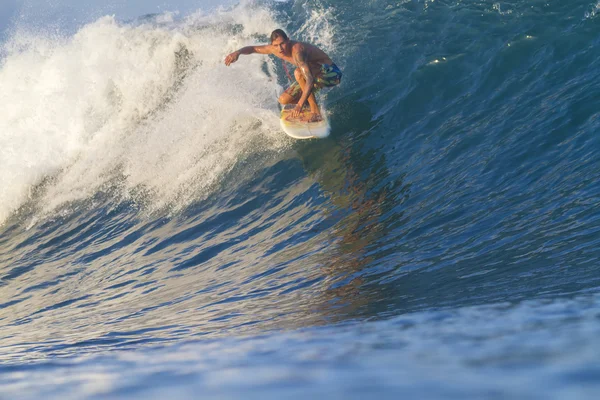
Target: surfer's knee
(285, 99)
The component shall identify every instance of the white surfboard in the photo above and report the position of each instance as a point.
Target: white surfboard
(299, 128)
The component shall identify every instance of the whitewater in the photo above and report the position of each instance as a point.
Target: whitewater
(100, 106)
(161, 236)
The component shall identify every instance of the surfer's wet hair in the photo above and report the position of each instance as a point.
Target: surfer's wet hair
(278, 33)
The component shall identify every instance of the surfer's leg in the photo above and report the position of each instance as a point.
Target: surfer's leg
(314, 108)
(286, 99)
(291, 94)
(312, 101)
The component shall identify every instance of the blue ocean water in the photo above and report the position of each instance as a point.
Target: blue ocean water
(160, 236)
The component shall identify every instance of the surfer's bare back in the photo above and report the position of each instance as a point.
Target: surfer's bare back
(315, 70)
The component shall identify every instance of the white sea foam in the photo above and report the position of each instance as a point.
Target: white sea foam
(113, 98)
(319, 26)
(592, 11)
(501, 9)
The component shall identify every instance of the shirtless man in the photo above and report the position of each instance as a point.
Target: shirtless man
(315, 70)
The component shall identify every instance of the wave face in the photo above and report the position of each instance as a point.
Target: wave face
(442, 242)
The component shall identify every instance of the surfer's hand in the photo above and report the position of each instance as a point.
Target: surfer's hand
(296, 111)
(233, 57)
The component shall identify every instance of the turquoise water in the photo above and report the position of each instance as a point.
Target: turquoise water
(160, 236)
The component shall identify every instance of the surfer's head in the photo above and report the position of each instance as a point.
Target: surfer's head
(280, 40)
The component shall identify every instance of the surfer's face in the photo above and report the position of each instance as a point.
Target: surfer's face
(281, 44)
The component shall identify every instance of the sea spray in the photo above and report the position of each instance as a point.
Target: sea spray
(155, 103)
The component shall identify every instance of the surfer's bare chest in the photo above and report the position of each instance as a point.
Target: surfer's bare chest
(286, 58)
(314, 66)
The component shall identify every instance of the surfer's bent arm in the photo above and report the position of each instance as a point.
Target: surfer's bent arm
(300, 59)
(233, 57)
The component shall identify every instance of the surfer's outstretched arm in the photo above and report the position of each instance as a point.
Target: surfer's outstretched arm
(233, 57)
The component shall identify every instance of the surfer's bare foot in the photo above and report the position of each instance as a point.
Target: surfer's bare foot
(315, 117)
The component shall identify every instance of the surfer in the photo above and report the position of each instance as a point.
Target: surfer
(314, 71)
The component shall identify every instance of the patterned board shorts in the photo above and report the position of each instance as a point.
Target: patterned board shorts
(330, 76)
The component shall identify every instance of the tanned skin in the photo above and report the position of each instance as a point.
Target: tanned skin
(306, 57)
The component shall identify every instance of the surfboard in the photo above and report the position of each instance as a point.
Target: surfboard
(299, 128)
